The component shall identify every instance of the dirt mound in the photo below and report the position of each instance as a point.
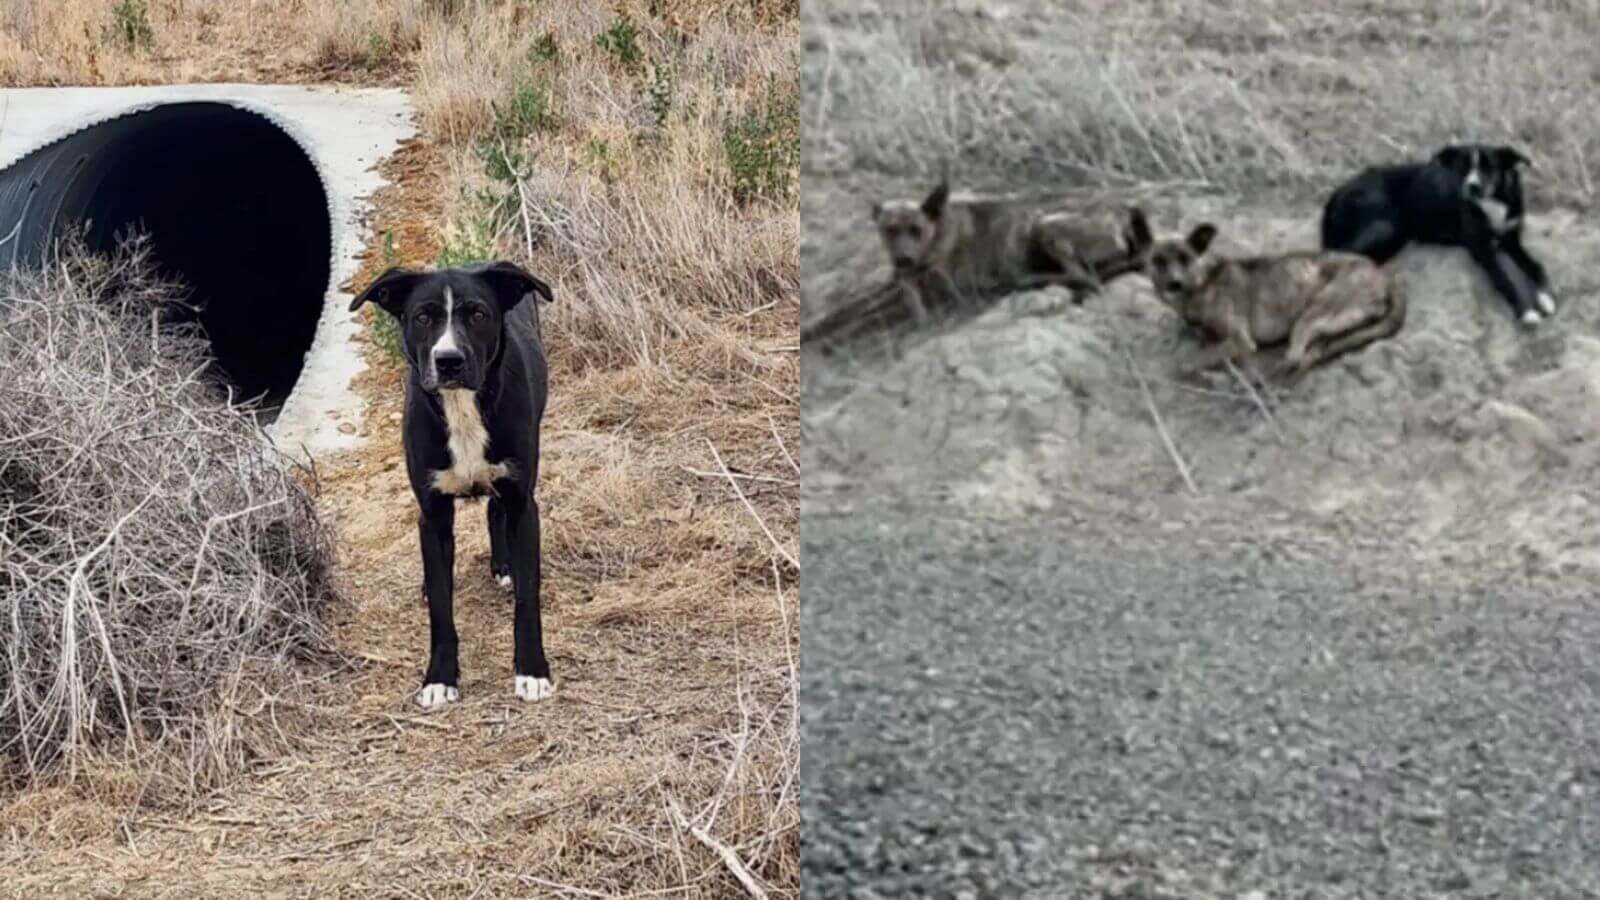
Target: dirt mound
(1465, 433)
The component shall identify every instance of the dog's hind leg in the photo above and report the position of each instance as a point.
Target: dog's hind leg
(1385, 326)
(532, 670)
(1379, 241)
(1076, 275)
(436, 528)
(499, 566)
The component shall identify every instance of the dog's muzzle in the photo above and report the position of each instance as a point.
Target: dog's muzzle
(449, 366)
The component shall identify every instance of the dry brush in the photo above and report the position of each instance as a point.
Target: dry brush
(161, 567)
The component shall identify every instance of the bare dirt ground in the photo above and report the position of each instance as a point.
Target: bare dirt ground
(671, 604)
(994, 482)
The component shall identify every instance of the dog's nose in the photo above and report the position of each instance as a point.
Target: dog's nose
(1474, 190)
(448, 362)
(1174, 286)
(903, 262)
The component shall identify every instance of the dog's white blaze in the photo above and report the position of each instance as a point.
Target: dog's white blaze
(433, 695)
(447, 341)
(1473, 176)
(531, 689)
(1547, 303)
(469, 439)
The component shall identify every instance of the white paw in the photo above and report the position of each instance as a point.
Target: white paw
(531, 689)
(1547, 303)
(433, 695)
(504, 581)
(1532, 317)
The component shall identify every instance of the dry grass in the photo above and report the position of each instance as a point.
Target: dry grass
(654, 188)
(1244, 96)
(161, 567)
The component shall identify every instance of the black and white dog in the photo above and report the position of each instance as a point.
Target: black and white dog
(475, 393)
(1467, 195)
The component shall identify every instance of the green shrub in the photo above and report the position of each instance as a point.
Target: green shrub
(130, 25)
(545, 49)
(473, 242)
(377, 50)
(530, 108)
(763, 146)
(385, 330)
(659, 86)
(621, 40)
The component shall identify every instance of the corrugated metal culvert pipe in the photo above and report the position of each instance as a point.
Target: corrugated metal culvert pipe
(234, 207)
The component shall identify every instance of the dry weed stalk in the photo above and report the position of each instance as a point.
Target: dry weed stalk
(159, 563)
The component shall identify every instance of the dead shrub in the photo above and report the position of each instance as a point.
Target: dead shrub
(161, 568)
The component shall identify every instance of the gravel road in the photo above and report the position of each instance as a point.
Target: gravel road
(1009, 710)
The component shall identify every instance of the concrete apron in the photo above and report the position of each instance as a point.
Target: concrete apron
(345, 131)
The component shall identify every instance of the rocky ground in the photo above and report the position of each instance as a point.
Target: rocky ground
(1038, 708)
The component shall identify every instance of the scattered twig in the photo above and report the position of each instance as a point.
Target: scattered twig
(413, 720)
(749, 506)
(1260, 404)
(773, 423)
(1161, 426)
(762, 478)
(729, 858)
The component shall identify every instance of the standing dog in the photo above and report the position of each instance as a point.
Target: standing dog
(965, 246)
(1467, 195)
(474, 399)
(1321, 304)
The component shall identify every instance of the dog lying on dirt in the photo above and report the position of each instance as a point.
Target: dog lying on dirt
(965, 247)
(1320, 304)
(1467, 195)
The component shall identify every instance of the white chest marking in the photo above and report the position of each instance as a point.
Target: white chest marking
(468, 440)
(1496, 212)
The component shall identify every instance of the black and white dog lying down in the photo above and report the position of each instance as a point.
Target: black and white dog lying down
(1468, 196)
(475, 393)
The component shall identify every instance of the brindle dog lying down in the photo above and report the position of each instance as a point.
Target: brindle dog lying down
(960, 248)
(1320, 304)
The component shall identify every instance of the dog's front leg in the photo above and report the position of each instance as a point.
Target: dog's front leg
(1234, 348)
(911, 296)
(1522, 259)
(436, 526)
(532, 681)
(1487, 255)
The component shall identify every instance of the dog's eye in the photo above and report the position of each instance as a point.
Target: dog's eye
(479, 315)
(423, 318)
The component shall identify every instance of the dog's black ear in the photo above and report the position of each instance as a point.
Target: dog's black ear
(933, 207)
(1450, 157)
(1201, 237)
(1511, 157)
(389, 290)
(510, 282)
(1138, 234)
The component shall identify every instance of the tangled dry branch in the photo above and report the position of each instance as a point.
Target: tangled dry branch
(160, 565)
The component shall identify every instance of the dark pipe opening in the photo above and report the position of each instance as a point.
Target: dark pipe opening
(234, 208)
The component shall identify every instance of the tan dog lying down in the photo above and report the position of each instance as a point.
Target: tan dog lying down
(1320, 304)
(964, 247)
